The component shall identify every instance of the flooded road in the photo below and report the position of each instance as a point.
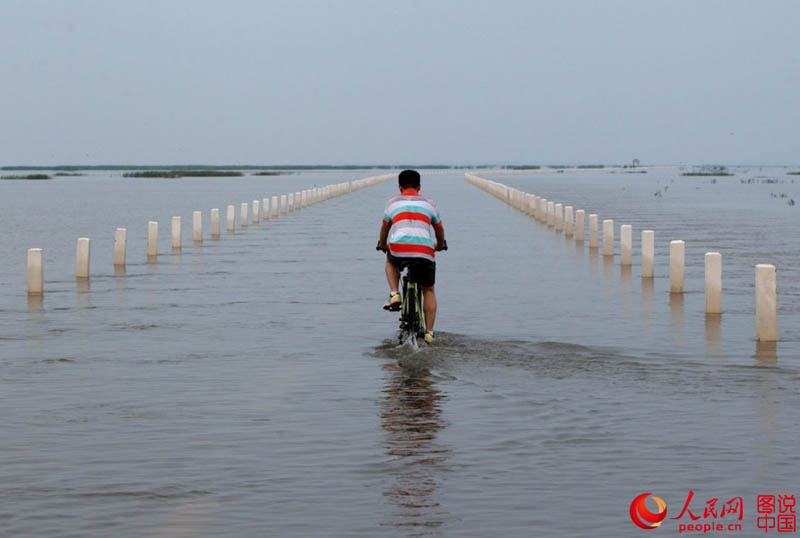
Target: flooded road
(250, 386)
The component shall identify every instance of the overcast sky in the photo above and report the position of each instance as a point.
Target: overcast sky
(305, 82)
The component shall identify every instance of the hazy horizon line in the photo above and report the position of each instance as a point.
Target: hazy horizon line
(366, 166)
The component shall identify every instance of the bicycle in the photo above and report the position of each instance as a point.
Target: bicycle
(412, 317)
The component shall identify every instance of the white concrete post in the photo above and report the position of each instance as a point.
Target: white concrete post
(593, 231)
(215, 228)
(197, 226)
(230, 224)
(35, 272)
(579, 225)
(543, 210)
(265, 209)
(274, 206)
(243, 214)
(297, 203)
(176, 232)
(82, 258)
(677, 252)
(713, 283)
(648, 253)
(120, 239)
(284, 208)
(289, 202)
(626, 244)
(256, 211)
(559, 208)
(152, 239)
(568, 221)
(766, 303)
(551, 214)
(608, 237)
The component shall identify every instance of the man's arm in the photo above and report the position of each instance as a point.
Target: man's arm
(439, 230)
(384, 235)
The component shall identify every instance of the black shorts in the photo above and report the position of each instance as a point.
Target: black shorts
(421, 270)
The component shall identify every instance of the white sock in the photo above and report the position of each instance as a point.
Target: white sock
(392, 293)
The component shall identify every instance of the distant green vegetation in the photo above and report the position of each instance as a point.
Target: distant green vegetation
(61, 174)
(239, 167)
(205, 170)
(183, 173)
(29, 176)
(794, 173)
(706, 170)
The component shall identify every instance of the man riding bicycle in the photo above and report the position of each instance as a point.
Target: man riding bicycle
(411, 233)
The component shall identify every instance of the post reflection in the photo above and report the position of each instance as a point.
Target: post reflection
(625, 274)
(411, 417)
(647, 294)
(83, 288)
(765, 400)
(713, 333)
(766, 352)
(608, 267)
(579, 248)
(35, 303)
(676, 315)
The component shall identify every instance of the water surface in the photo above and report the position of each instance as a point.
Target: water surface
(250, 386)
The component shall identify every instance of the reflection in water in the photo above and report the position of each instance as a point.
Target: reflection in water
(579, 248)
(35, 302)
(608, 267)
(82, 285)
(176, 256)
(713, 332)
(766, 352)
(120, 285)
(625, 275)
(647, 293)
(593, 256)
(676, 316)
(764, 401)
(625, 278)
(411, 417)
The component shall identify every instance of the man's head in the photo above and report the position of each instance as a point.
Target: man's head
(408, 179)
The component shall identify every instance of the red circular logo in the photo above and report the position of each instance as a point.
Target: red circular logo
(643, 517)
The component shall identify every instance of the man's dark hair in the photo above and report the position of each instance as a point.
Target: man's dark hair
(408, 179)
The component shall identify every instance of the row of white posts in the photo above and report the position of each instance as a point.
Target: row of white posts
(561, 219)
(261, 210)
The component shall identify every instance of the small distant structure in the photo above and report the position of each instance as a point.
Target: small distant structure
(635, 163)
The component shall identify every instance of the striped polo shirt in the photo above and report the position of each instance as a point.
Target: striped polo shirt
(412, 218)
